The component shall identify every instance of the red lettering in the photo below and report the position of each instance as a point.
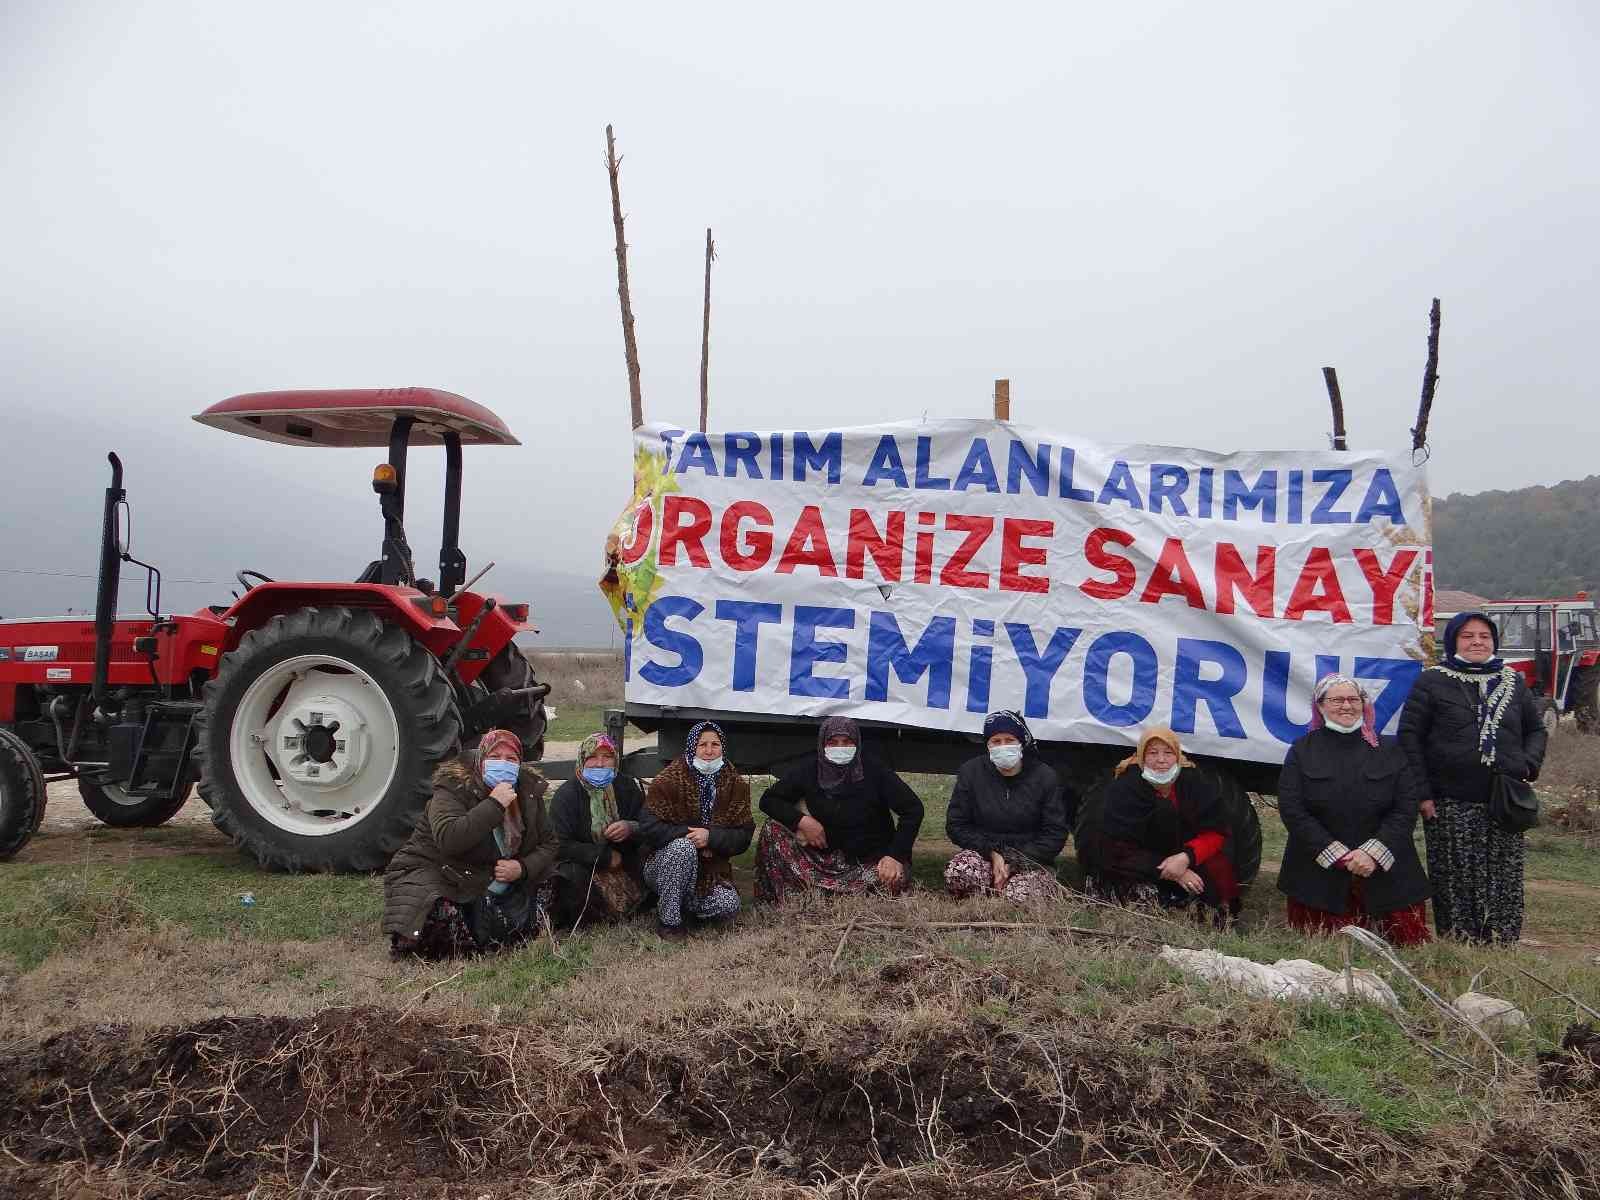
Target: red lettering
(977, 529)
(1014, 555)
(690, 533)
(1173, 576)
(1094, 549)
(808, 545)
(1383, 583)
(886, 552)
(1318, 589)
(757, 542)
(644, 519)
(1257, 589)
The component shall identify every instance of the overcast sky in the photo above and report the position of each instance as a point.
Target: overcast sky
(1160, 221)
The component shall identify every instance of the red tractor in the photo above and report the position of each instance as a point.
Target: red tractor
(310, 714)
(1553, 644)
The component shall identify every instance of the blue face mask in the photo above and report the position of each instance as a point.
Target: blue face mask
(599, 776)
(498, 770)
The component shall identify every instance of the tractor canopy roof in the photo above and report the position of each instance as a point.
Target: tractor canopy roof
(357, 417)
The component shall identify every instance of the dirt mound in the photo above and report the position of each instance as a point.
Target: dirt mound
(1574, 1069)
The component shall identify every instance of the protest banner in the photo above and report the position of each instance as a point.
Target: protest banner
(925, 573)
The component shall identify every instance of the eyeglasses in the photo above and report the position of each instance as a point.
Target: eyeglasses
(1342, 701)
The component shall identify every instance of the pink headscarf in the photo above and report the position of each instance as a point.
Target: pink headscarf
(1369, 729)
(500, 741)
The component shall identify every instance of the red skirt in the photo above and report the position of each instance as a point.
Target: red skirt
(1403, 927)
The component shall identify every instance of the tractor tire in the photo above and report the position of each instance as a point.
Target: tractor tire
(112, 804)
(279, 781)
(1240, 817)
(1586, 699)
(511, 669)
(22, 794)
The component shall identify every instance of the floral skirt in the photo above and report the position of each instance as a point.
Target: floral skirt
(970, 874)
(785, 865)
(1476, 869)
(460, 930)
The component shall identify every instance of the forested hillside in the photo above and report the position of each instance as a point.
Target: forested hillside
(1541, 541)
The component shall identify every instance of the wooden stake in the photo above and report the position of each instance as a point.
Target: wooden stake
(1430, 380)
(705, 337)
(1002, 399)
(629, 347)
(1331, 378)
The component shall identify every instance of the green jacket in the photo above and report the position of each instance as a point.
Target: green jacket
(452, 851)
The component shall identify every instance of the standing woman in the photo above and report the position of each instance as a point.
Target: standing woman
(695, 819)
(476, 872)
(1349, 803)
(842, 823)
(1010, 814)
(1465, 719)
(1163, 835)
(596, 820)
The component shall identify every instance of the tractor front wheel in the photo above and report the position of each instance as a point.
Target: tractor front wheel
(22, 794)
(114, 805)
(319, 739)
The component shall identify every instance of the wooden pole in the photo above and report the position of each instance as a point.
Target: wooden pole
(630, 348)
(1002, 399)
(705, 337)
(1430, 380)
(1331, 378)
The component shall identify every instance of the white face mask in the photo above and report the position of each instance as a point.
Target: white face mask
(839, 756)
(708, 766)
(1006, 758)
(1340, 726)
(1161, 778)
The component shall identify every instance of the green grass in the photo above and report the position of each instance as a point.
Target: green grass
(574, 722)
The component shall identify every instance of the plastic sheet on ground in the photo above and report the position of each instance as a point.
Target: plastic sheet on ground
(1286, 979)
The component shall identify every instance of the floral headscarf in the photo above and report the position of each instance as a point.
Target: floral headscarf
(706, 783)
(1369, 731)
(602, 801)
(509, 836)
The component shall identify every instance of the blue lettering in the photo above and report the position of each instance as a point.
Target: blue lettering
(934, 656)
(1275, 694)
(935, 483)
(1398, 674)
(748, 618)
(697, 453)
(1096, 668)
(886, 464)
(1069, 458)
(1035, 467)
(1189, 690)
(807, 652)
(978, 668)
(691, 657)
(1120, 486)
(828, 456)
(1168, 482)
(1337, 479)
(978, 468)
(1039, 667)
(1297, 487)
(1382, 500)
(1263, 496)
(1205, 492)
(741, 448)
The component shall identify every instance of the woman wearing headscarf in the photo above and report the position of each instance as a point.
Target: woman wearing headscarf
(1349, 803)
(841, 823)
(696, 817)
(596, 819)
(1010, 814)
(476, 872)
(1466, 718)
(1163, 835)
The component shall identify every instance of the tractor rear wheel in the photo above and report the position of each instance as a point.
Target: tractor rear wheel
(1586, 699)
(22, 794)
(511, 669)
(319, 738)
(113, 804)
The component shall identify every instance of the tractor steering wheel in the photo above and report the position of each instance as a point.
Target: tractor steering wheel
(244, 578)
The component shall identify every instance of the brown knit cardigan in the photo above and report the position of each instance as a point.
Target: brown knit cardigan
(672, 808)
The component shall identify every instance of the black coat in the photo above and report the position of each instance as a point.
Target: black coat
(857, 816)
(577, 848)
(1140, 827)
(1026, 817)
(1336, 788)
(1439, 734)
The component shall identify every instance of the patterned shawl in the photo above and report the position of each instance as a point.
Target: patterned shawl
(602, 801)
(706, 783)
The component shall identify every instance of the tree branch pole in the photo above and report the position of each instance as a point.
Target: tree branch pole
(705, 338)
(1002, 399)
(629, 346)
(1430, 380)
(1331, 378)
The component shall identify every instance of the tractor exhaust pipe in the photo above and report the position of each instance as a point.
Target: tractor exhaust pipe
(105, 606)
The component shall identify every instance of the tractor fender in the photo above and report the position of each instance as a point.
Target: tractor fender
(402, 606)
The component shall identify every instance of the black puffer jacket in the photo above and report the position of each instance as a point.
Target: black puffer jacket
(1026, 816)
(859, 818)
(1439, 734)
(1335, 793)
(578, 848)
